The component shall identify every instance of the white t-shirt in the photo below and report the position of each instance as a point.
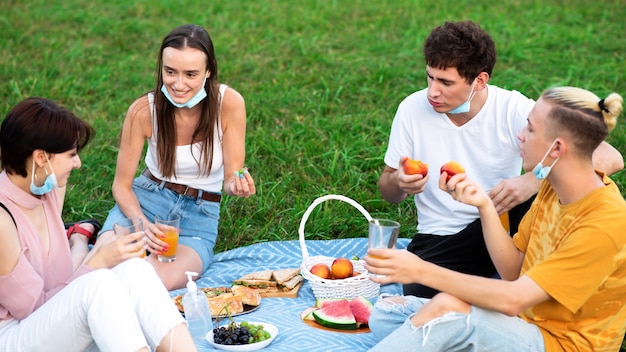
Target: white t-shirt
(487, 147)
(187, 169)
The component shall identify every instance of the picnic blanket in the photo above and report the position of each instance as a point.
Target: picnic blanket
(284, 313)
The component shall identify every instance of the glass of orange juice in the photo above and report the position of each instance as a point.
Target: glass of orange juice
(382, 234)
(127, 226)
(170, 226)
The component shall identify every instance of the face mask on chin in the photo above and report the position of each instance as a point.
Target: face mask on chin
(465, 107)
(540, 171)
(49, 184)
(200, 95)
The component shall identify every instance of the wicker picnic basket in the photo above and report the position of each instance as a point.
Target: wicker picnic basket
(348, 288)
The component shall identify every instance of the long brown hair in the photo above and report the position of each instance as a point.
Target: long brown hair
(187, 36)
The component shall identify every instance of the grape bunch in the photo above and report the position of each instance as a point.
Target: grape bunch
(242, 334)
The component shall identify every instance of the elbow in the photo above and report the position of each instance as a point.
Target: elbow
(513, 304)
(513, 310)
(618, 165)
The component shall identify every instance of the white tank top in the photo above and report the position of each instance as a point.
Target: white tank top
(187, 168)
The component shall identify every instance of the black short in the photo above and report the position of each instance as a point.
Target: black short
(464, 252)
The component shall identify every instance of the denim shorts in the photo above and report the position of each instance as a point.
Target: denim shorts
(480, 330)
(199, 218)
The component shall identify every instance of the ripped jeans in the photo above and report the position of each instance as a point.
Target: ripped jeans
(480, 330)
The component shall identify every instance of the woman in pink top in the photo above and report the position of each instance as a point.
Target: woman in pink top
(113, 300)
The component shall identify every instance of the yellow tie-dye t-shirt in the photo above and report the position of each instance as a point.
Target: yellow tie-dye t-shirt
(577, 254)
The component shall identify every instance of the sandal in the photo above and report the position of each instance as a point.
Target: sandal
(74, 227)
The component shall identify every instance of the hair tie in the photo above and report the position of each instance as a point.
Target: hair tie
(601, 105)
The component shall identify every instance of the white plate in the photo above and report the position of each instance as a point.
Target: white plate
(273, 330)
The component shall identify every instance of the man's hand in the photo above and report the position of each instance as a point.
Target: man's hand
(410, 184)
(514, 191)
(464, 190)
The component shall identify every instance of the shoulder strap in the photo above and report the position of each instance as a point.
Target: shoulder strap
(7, 210)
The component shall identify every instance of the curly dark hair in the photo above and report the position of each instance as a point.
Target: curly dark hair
(463, 45)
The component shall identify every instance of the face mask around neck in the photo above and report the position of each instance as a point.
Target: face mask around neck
(540, 171)
(49, 184)
(465, 107)
(191, 102)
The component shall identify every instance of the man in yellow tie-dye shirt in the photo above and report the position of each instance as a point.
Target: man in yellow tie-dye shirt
(563, 284)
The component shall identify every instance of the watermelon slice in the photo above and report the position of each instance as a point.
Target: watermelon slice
(361, 308)
(336, 315)
(320, 302)
(307, 314)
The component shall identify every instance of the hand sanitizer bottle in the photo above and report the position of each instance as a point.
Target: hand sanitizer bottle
(196, 309)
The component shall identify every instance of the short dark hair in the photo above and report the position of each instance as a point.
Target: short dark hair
(462, 45)
(39, 123)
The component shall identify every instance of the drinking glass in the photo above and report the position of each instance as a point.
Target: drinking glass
(382, 234)
(127, 226)
(170, 226)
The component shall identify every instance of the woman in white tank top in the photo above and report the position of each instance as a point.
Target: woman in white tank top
(195, 128)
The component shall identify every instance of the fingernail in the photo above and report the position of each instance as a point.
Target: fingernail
(236, 173)
(245, 171)
(241, 176)
(165, 248)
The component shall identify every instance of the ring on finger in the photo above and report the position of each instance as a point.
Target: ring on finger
(451, 190)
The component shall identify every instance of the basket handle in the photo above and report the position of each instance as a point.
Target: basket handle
(305, 217)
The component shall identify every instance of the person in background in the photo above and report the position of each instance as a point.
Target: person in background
(563, 285)
(195, 129)
(113, 301)
(461, 117)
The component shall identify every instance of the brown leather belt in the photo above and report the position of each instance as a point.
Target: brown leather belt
(184, 190)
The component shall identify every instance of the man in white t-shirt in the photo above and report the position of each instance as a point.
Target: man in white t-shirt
(461, 117)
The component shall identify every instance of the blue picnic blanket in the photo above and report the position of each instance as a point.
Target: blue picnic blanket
(284, 313)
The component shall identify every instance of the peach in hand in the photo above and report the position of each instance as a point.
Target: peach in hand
(414, 167)
(451, 168)
(341, 268)
(322, 270)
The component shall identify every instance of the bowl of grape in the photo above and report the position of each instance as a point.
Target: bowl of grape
(242, 336)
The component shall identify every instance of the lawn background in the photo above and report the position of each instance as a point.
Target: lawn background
(321, 79)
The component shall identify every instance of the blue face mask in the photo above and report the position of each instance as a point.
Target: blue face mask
(540, 171)
(48, 185)
(465, 107)
(191, 102)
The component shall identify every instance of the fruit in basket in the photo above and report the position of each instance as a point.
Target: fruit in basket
(451, 168)
(322, 270)
(341, 268)
(336, 315)
(414, 167)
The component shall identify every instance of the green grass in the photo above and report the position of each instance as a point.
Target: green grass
(321, 79)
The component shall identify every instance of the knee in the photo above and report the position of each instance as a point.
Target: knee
(98, 283)
(439, 306)
(446, 303)
(388, 314)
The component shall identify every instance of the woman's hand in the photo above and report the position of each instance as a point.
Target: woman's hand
(154, 237)
(242, 184)
(112, 249)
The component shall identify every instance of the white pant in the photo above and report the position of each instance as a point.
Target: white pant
(122, 309)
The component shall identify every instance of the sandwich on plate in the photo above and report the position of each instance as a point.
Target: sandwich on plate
(268, 282)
